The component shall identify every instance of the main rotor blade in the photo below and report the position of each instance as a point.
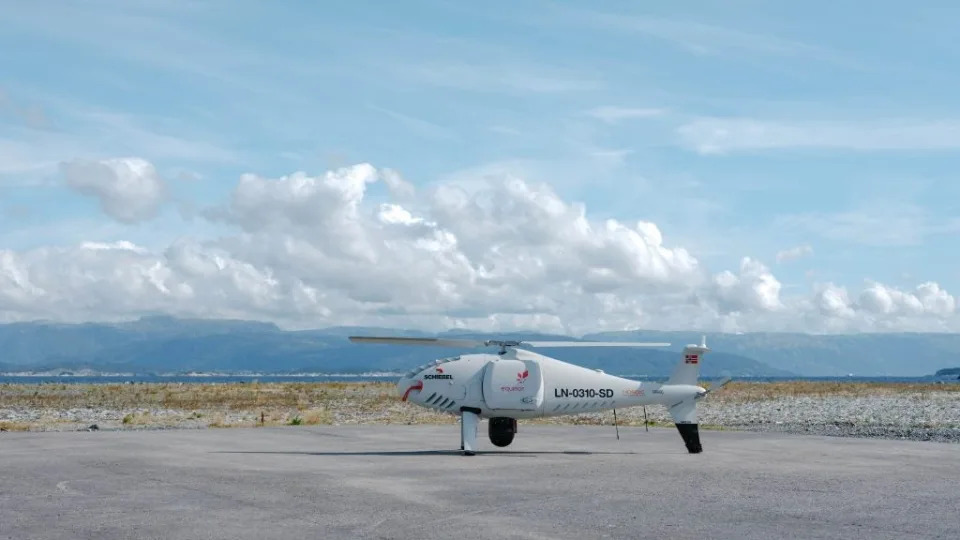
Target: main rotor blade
(593, 344)
(436, 342)
(439, 342)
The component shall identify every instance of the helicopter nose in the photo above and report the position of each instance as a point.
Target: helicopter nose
(403, 383)
(406, 385)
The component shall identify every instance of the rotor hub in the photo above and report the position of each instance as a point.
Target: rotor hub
(503, 344)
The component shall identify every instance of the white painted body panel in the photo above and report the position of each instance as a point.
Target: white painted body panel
(513, 384)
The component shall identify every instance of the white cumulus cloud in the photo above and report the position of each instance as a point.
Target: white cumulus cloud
(129, 189)
(753, 289)
(927, 299)
(880, 307)
(833, 301)
(359, 245)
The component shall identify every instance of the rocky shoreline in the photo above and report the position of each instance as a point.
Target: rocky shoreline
(924, 414)
(928, 416)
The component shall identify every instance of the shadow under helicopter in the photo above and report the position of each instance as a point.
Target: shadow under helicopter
(410, 453)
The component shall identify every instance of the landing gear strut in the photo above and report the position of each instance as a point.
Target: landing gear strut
(469, 419)
(502, 430)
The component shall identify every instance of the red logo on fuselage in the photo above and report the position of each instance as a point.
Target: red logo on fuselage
(518, 387)
(418, 386)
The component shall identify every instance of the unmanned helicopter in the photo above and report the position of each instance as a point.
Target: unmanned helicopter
(516, 383)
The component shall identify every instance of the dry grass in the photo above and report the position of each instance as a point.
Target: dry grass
(14, 426)
(189, 396)
(211, 405)
(57, 406)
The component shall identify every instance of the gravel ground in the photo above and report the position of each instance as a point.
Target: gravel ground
(927, 416)
(937, 434)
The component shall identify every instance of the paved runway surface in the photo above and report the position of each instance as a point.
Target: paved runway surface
(404, 482)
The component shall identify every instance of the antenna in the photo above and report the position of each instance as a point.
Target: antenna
(615, 423)
(646, 424)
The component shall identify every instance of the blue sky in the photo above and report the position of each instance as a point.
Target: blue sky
(739, 128)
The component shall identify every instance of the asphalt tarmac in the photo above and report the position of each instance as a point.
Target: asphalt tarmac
(411, 482)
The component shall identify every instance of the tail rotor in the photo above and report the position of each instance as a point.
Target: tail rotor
(714, 387)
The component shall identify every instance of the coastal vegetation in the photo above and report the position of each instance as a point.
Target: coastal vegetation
(52, 406)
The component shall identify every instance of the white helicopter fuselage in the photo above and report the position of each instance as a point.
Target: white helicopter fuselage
(521, 384)
(516, 384)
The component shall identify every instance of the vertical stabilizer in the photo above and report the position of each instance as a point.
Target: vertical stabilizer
(687, 370)
(684, 416)
(684, 412)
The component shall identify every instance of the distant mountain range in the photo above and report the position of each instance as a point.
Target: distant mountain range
(868, 354)
(948, 372)
(169, 345)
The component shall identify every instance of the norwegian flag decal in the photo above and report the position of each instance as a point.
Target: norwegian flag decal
(690, 359)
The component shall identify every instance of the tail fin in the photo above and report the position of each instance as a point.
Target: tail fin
(684, 412)
(685, 418)
(687, 371)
